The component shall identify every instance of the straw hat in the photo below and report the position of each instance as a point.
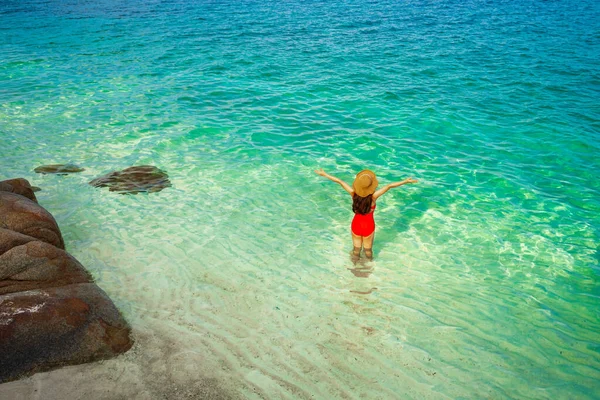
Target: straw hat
(365, 183)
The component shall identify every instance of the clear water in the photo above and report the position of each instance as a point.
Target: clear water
(485, 282)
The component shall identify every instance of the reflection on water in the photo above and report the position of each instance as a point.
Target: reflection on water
(361, 272)
(364, 292)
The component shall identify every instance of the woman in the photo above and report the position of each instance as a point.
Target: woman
(364, 197)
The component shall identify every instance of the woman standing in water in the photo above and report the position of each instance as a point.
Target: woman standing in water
(364, 196)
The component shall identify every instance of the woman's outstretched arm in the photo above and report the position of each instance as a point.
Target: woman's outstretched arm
(346, 187)
(384, 189)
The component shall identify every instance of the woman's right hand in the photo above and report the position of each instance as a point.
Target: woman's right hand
(410, 180)
(320, 172)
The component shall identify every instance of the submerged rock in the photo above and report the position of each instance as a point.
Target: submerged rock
(133, 180)
(19, 186)
(60, 169)
(25, 216)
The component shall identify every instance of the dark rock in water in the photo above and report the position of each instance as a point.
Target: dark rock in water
(27, 264)
(19, 186)
(48, 328)
(133, 180)
(36, 189)
(60, 169)
(25, 216)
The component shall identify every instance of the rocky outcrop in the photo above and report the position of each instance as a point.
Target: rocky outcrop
(19, 186)
(51, 312)
(133, 180)
(48, 328)
(19, 214)
(59, 169)
(28, 264)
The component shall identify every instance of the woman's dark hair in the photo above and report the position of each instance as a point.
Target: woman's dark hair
(361, 205)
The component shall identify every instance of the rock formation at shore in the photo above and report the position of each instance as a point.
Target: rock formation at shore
(19, 186)
(25, 216)
(51, 312)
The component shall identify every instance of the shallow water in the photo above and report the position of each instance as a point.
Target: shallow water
(485, 282)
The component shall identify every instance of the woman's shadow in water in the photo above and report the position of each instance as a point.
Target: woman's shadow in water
(413, 210)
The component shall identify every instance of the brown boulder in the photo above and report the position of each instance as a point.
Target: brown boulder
(22, 215)
(133, 180)
(53, 327)
(10, 239)
(51, 313)
(27, 263)
(19, 186)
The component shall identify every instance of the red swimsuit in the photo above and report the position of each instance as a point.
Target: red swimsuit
(363, 224)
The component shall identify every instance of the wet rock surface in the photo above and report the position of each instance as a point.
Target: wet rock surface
(47, 328)
(60, 169)
(25, 216)
(19, 186)
(133, 180)
(27, 264)
(51, 312)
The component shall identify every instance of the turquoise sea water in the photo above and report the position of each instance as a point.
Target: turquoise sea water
(486, 277)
